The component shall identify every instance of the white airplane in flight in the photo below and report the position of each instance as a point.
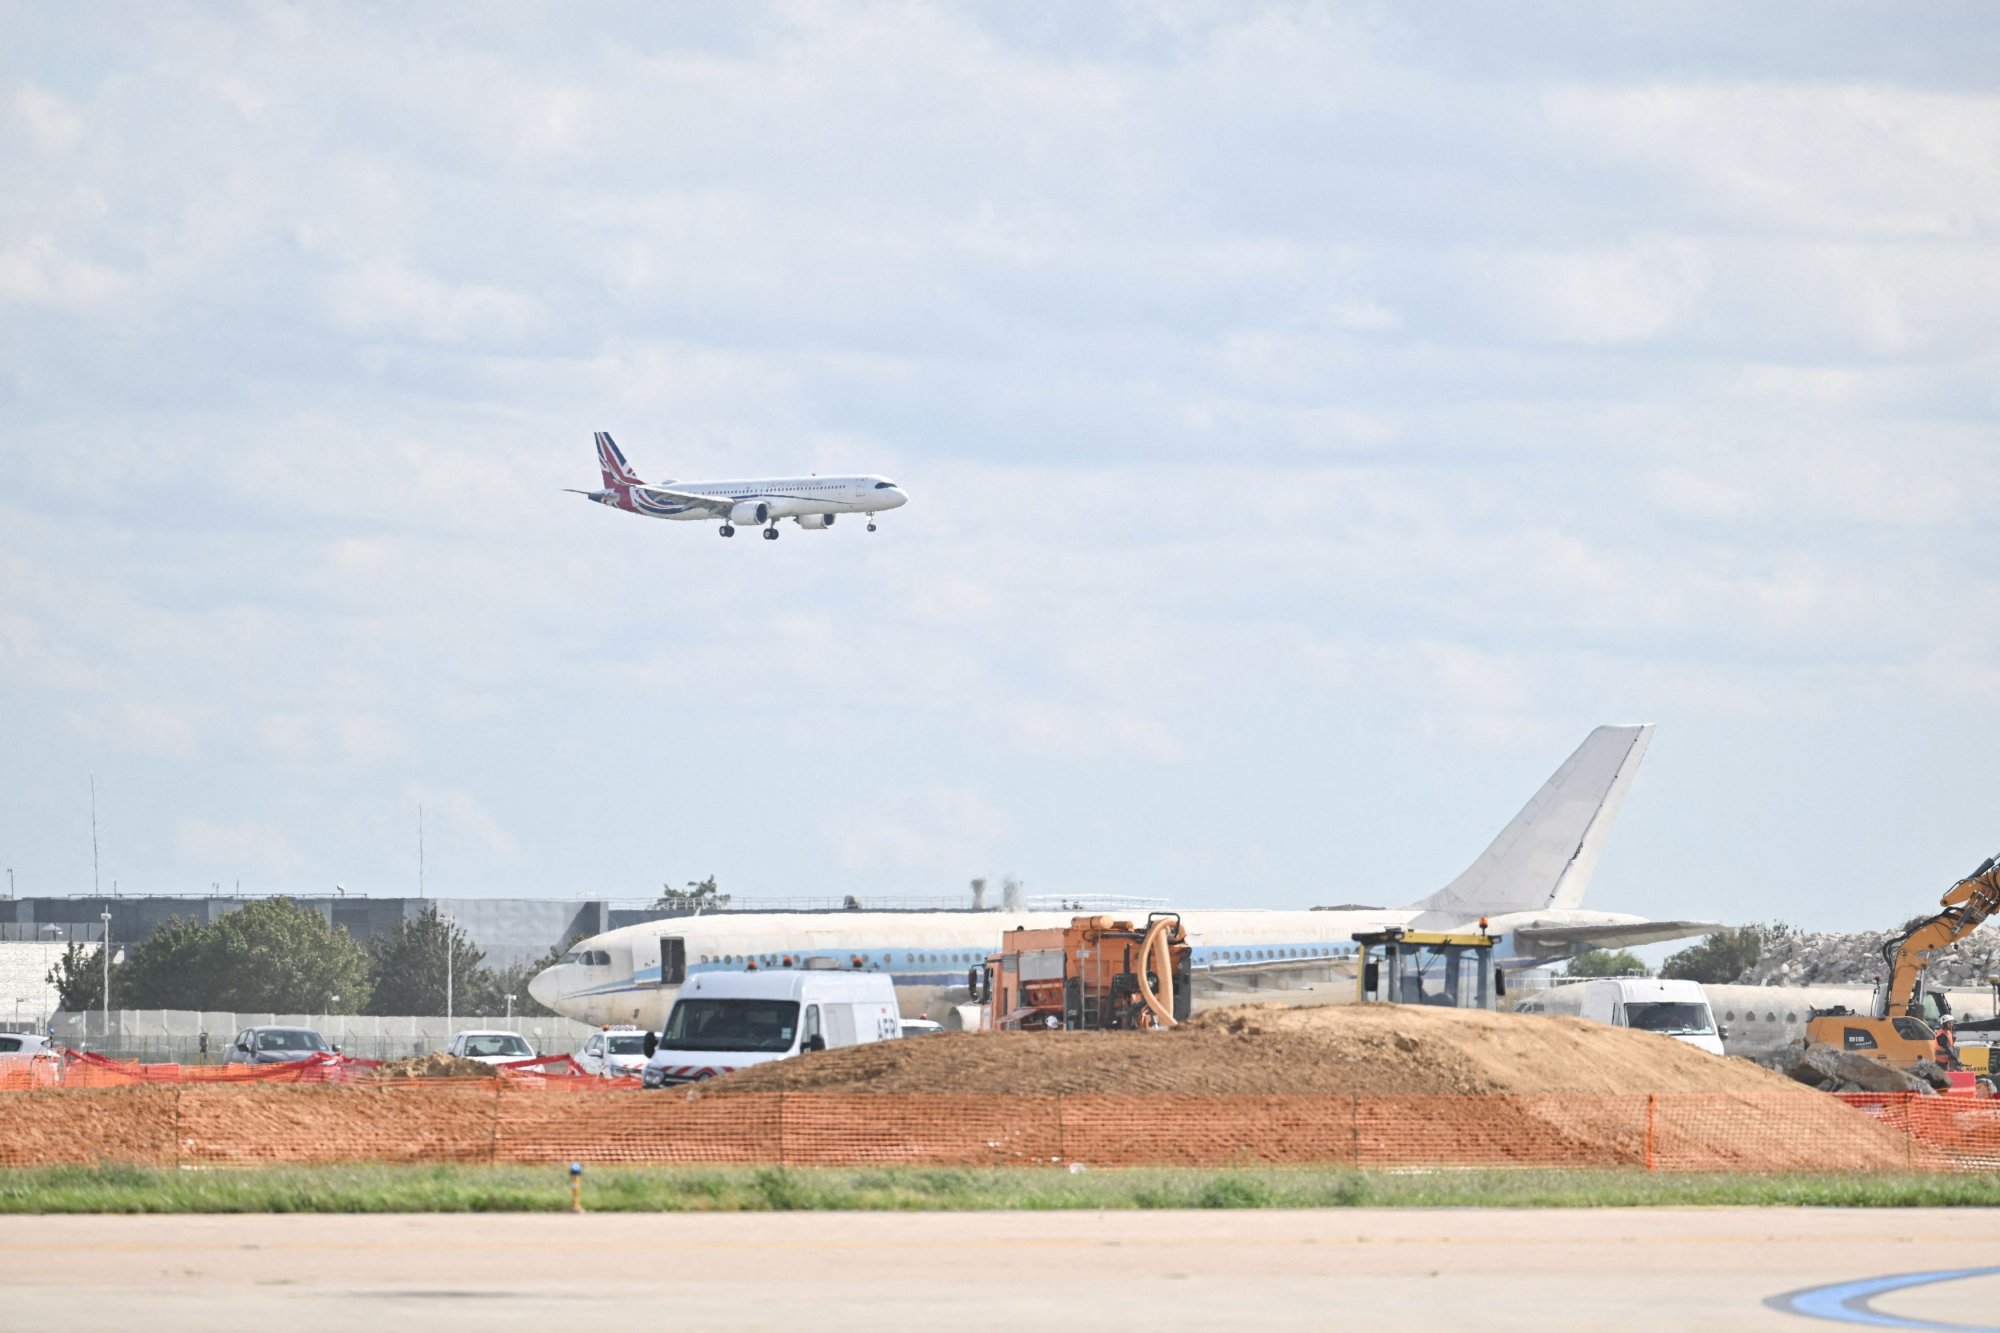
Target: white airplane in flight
(810, 501)
(1528, 887)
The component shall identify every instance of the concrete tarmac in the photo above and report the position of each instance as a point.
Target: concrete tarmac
(1659, 1268)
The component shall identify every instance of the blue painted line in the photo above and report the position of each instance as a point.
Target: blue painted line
(1850, 1302)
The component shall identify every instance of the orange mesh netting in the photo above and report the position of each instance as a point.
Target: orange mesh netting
(240, 1120)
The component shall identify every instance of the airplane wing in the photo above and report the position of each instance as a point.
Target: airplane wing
(1558, 940)
(1262, 965)
(714, 504)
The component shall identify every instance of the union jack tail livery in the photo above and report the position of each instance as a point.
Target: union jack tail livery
(617, 472)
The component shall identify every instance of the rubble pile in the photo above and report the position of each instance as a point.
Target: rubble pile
(1830, 958)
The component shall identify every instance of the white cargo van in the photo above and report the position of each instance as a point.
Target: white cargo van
(725, 1020)
(1673, 1008)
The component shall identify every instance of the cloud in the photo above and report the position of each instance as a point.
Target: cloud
(236, 850)
(938, 831)
(1413, 388)
(51, 121)
(464, 821)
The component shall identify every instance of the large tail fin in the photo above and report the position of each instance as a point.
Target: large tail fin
(1545, 857)
(617, 472)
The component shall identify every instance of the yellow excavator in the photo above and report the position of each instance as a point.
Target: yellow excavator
(1902, 1029)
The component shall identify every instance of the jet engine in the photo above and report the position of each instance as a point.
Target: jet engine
(816, 520)
(750, 513)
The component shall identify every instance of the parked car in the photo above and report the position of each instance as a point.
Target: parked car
(490, 1046)
(22, 1043)
(921, 1027)
(276, 1046)
(723, 1021)
(612, 1053)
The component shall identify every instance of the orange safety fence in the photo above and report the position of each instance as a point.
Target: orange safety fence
(77, 1070)
(247, 1122)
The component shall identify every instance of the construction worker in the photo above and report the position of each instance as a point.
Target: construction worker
(1947, 1044)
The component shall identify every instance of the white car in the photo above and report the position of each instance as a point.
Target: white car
(613, 1053)
(921, 1027)
(22, 1043)
(490, 1046)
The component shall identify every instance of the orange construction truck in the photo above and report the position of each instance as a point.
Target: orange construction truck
(1095, 973)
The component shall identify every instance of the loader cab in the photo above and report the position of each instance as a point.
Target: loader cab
(1449, 971)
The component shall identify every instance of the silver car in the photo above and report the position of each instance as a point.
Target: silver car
(277, 1046)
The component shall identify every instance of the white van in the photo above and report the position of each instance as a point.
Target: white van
(1674, 1008)
(723, 1021)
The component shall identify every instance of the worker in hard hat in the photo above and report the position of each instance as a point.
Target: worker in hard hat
(1947, 1044)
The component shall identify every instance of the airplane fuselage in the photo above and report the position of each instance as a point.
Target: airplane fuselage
(796, 497)
(633, 974)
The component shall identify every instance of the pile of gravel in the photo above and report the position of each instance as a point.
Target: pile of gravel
(1829, 958)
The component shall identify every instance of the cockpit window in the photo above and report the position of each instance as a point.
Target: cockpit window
(885, 485)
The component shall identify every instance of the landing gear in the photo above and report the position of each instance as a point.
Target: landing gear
(728, 531)
(771, 533)
(871, 525)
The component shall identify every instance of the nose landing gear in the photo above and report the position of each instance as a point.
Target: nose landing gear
(871, 525)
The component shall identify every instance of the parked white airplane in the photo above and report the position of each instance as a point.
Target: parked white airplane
(1528, 886)
(810, 501)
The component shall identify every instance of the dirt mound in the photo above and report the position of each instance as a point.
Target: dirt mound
(1279, 1049)
(437, 1065)
(1427, 1087)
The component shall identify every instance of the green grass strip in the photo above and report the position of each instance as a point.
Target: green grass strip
(476, 1189)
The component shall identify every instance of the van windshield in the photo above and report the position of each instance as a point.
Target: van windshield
(731, 1025)
(1676, 1018)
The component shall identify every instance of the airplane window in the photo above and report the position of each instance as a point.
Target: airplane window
(1791, 1018)
(884, 485)
(1729, 1015)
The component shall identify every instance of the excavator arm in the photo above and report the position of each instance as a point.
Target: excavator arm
(1965, 905)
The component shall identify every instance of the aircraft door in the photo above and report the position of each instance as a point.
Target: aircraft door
(673, 960)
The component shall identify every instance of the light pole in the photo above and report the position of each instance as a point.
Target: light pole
(447, 978)
(10, 881)
(106, 1035)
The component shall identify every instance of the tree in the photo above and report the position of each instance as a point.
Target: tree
(1604, 963)
(408, 971)
(78, 977)
(274, 956)
(699, 896)
(513, 981)
(1720, 958)
(173, 968)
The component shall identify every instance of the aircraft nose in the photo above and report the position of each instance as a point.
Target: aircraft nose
(544, 989)
(901, 499)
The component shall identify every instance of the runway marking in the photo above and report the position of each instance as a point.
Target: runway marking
(1852, 1302)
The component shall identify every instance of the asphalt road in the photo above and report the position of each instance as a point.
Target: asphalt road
(1402, 1269)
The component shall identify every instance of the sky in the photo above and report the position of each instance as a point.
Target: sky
(1317, 417)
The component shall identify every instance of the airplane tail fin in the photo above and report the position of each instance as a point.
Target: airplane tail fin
(1545, 857)
(611, 462)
